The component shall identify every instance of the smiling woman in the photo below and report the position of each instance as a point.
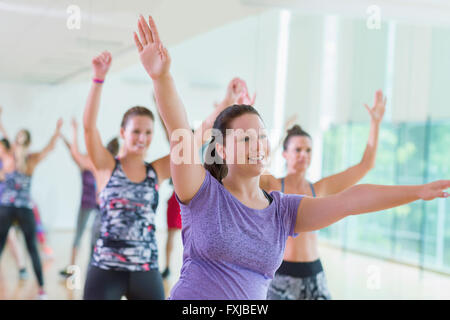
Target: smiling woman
(253, 143)
(125, 257)
(137, 128)
(234, 232)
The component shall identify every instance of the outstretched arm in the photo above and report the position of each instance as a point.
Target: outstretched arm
(99, 155)
(81, 160)
(318, 213)
(185, 163)
(343, 180)
(2, 129)
(37, 157)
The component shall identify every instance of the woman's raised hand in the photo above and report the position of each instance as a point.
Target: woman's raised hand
(59, 124)
(379, 107)
(237, 93)
(244, 97)
(74, 123)
(154, 56)
(290, 121)
(101, 64)
(234, 91)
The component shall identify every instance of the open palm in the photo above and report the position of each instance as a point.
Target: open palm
(379, 107)
(154, 56)
(234, 90)
(244, 97)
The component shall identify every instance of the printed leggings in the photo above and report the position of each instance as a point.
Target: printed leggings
(299, 281)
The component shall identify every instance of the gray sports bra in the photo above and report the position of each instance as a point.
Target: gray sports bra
(310, 185)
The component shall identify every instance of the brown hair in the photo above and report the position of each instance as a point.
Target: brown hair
(136, 111)
(28, 137)
(6, 143)
(213, 162)
(296, 130)
(113, 146)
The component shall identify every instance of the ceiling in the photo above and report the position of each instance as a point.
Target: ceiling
(435, 12)
(38, 47)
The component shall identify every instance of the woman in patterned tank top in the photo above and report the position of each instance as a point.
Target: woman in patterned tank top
(125, 257)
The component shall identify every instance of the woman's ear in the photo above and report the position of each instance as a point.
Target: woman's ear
(220, 150)
(122, 133)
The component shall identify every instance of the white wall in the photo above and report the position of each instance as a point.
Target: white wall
(202, 68)
(56, 183)
(201, 78)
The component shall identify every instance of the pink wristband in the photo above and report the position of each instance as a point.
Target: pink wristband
(98, 80)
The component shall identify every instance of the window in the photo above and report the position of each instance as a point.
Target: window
(408, 153)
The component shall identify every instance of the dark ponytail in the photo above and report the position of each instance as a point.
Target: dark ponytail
(213, 162)
(6, 143)
(113, 146)
(296, 130)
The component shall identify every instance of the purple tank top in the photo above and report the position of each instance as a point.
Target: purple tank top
(232, 251)
(88, 195)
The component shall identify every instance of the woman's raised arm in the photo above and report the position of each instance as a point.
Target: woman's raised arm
(81, 160)
(345, 179)
(185, 164)
(2, 129)
(35, 158)
(99, 155)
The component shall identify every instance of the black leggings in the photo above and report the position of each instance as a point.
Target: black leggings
(27, 223)
(112, 285)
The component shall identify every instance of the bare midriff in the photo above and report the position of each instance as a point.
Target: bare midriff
(303, 248)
